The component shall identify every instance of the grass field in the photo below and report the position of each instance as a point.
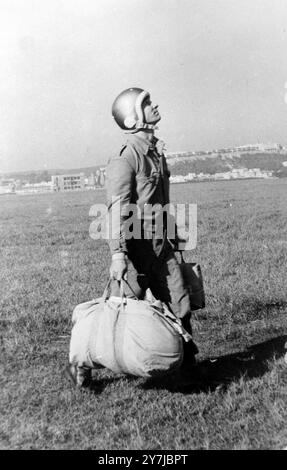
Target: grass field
(236, 397)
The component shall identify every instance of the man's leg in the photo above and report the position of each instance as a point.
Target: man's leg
(167, 285)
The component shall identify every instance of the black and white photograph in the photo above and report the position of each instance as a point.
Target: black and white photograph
(143, 227)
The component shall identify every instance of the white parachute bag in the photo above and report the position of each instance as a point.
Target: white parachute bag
(135, 337)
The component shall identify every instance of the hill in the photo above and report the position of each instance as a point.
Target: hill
(37, 176)
(272, 163)
(190, 165)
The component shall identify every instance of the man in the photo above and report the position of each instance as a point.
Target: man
(143, 252)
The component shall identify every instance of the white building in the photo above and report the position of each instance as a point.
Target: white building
(74, 182)
(7, 186)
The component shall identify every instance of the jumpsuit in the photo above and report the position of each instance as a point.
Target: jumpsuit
(139, 176)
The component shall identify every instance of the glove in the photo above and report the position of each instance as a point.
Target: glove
(119, 267)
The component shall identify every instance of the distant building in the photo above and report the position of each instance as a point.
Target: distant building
(74, 182)
(31, 188)
(7, 186)
(174, 157)
(102, 179)
(97, 178)
(260, 147)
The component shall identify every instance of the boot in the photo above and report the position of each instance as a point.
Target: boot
(189, 348)
(80, 377)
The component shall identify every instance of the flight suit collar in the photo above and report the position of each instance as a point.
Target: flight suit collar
(144, 144)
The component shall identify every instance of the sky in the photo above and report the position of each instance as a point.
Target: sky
(217, 69)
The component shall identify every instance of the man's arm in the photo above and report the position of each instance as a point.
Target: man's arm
(119, 183)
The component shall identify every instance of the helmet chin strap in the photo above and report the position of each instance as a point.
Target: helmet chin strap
(142, 126)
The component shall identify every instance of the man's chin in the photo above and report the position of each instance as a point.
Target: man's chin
(154, 121)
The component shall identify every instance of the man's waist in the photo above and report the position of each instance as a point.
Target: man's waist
(147, 222)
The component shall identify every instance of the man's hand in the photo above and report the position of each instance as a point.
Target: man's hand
(118, 267)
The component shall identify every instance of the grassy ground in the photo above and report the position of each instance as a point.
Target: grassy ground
(236, 397)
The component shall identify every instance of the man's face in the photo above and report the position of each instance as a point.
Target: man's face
(150, 111)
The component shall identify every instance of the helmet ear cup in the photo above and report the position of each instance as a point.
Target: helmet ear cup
(129, 122)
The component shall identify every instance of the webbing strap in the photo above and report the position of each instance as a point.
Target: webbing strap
(119, 326)
(174, 322)
(119, 336)
(122, 293)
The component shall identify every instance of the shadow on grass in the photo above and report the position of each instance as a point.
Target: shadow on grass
(99, 383)
(219, 372)
(259, 309)
(208, 375)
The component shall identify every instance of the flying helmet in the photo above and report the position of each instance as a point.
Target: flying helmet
(127, 110)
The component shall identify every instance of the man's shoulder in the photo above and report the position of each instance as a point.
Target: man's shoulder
(125, 156)
(126, 150)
